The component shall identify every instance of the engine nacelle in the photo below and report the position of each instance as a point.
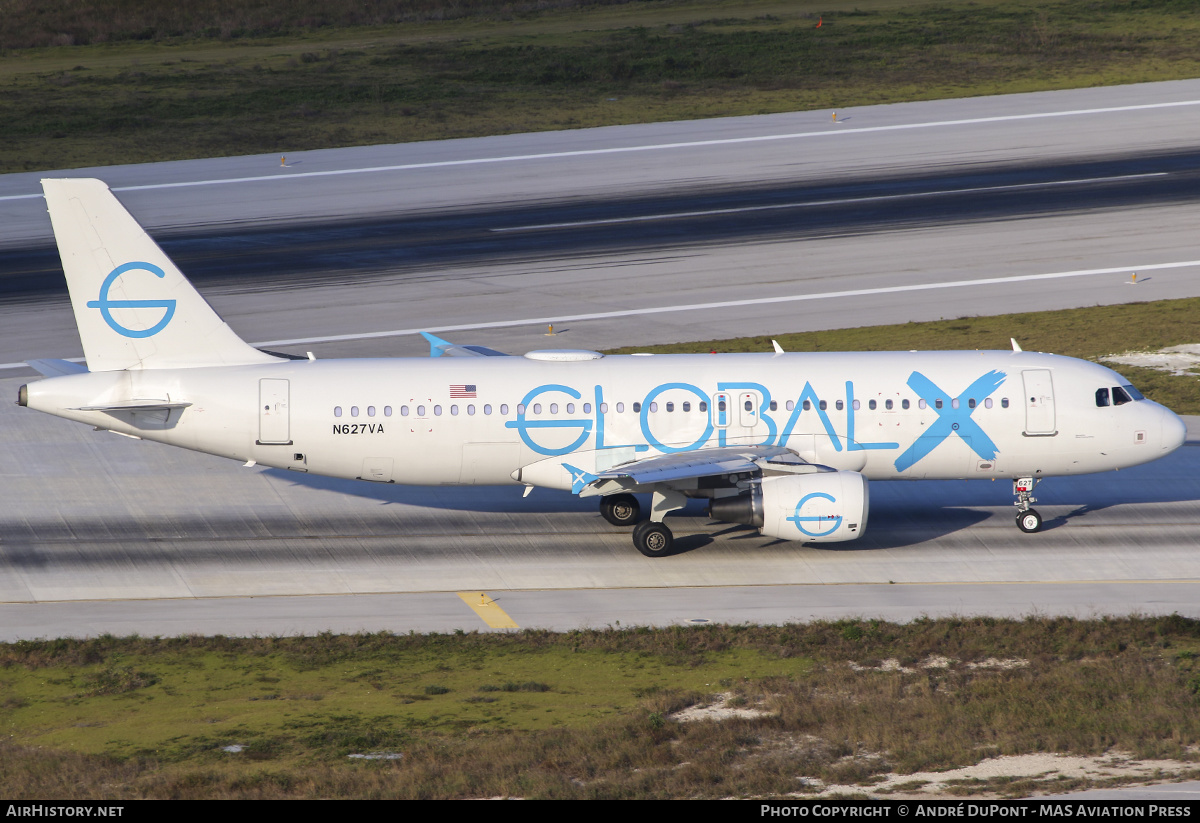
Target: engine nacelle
(825, 507)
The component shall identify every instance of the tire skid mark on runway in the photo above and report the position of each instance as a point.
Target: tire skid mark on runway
(841, 201)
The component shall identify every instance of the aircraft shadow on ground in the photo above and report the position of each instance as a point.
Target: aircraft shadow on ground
(896, 520)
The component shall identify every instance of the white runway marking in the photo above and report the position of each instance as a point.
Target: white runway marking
(832, 130)
(841, 201)
(756, 301)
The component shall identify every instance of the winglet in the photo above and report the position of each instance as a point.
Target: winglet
(444, 348)
(437, 346)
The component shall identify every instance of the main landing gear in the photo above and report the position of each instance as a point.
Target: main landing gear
(652, 538)
(620, 509)
(1028, 520)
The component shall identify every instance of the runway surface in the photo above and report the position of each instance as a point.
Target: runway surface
(941, 195)
(672, 232)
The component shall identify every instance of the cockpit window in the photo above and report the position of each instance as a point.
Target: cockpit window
(1132, 392)
(1102, 397)
(1120, 396)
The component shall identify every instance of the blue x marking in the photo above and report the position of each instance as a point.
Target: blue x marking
(580, 479)
(951, 420)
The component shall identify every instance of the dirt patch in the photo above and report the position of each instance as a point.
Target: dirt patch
(1177, 360)
(726, 706)
(1045, 768)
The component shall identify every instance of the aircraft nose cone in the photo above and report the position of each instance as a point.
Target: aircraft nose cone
(1174, 431)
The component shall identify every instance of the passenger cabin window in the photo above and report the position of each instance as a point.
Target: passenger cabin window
(703, 406)
(337, 411)
(1004, 402)
(504, 408)
(387, 411)
(871, 405)
(670, 407)
(774, 406)
(987, 403)
(823, 405)
(807, 405)
(840, 405)
(1101, 397)
(887, 404)
(789, 405)
(687, 407)
(971, 403)
(904, 404)
(354, 411)
(937, 404)
(404, 411)
(637, 408)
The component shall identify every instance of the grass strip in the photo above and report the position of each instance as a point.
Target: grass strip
(146, 82)
(588, 713)
(1088, 333)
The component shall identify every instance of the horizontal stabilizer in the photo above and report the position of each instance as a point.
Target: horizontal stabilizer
(134, 405)
(56, 368)
(444, 348)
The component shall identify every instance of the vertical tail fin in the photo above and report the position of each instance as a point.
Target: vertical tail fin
(134, 308)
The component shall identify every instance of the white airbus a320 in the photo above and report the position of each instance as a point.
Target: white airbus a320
(782, 442)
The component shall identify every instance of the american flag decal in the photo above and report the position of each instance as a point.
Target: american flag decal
(462, 391)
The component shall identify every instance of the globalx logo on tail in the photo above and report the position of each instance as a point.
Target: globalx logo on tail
(105, 305)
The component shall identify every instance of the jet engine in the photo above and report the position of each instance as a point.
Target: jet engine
(824, 507)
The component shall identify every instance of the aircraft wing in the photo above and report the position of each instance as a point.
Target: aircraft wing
(691, 465)
(444, 348)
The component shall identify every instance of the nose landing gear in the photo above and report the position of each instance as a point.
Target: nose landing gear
(1028, 520)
